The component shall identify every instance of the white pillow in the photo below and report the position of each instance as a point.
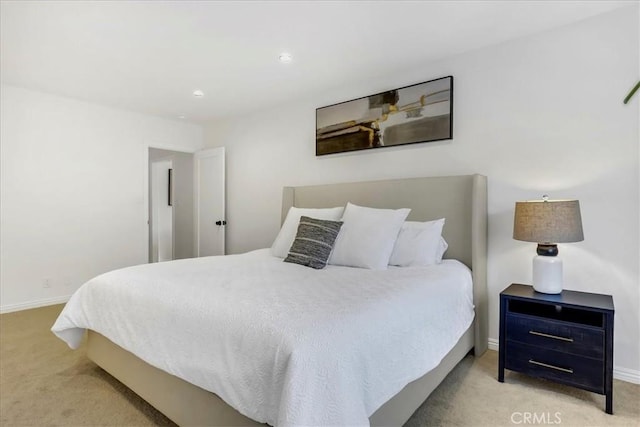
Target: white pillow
(287, 234)
(418, 244)
(367, 236)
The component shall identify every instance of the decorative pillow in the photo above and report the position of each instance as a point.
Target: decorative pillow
(313, 242)
(367, 236)
(418, 244)
(284, 239)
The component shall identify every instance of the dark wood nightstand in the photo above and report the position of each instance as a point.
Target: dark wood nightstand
(567, 338)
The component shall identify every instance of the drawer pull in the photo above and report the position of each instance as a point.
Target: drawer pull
(557, 368)
(555, 337)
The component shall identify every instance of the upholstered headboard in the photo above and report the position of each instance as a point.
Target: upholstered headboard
(462, 200)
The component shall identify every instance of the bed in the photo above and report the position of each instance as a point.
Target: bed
(462, 200)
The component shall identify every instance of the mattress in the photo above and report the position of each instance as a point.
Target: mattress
(281, 343)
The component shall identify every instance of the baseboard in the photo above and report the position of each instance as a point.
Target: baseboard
(34, 304)
(622, 374)
(628, 375)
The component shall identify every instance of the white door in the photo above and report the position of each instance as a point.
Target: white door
(209, 202)
(161, 211)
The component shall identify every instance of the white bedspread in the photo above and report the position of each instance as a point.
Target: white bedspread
(283, 344)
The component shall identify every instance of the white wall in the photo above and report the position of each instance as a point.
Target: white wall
(543, 114)
(73, 191)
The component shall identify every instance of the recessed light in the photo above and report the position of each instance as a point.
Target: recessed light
(285, 58)
(181, 117)
(198, 93)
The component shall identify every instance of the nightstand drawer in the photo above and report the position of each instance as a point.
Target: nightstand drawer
(554, 335)
(584, 372)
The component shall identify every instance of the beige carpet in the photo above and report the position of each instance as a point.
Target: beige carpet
(44, 383)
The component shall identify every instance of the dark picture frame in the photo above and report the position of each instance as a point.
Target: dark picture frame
(422, 112)
(170, 188)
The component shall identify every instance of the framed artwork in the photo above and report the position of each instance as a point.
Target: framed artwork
(418, 113)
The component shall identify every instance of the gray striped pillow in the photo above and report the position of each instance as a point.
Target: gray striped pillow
(314, 242)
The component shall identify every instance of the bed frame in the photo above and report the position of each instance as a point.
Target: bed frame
(462, 200)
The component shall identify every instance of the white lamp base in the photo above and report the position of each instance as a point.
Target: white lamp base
(547, 274)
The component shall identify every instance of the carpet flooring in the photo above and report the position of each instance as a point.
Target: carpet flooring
(44, 383)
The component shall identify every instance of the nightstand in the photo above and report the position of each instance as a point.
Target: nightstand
(566, 337)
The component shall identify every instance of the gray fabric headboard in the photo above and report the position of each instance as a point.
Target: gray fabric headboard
(462, 200)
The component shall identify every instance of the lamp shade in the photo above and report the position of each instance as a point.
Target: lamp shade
(548, 221)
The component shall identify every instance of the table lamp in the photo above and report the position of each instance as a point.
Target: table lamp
(548, 222)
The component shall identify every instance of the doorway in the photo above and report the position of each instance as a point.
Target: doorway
(170, 239)
(189, 220)
(161, 218)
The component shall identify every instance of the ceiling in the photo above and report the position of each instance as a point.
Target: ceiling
(149, 56)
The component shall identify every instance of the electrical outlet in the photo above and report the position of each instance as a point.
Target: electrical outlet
(46, 283)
